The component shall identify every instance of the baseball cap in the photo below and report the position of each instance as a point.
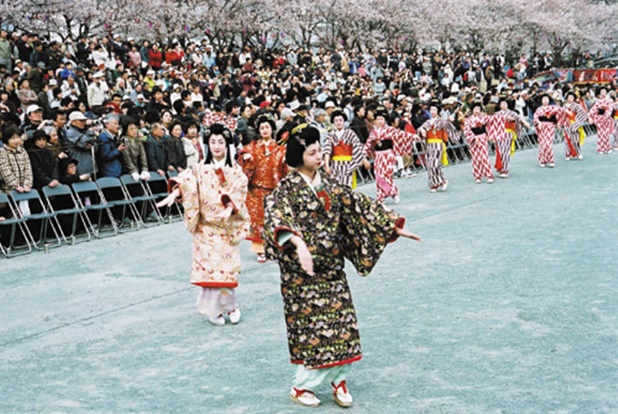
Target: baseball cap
(33, 108)
(77, 116)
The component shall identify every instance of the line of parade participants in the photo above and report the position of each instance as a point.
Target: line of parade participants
(291, 195)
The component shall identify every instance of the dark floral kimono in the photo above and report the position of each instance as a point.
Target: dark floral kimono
(336, 223)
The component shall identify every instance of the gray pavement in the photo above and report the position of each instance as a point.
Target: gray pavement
(508, 306)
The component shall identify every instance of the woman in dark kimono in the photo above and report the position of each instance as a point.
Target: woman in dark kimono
(311, 224)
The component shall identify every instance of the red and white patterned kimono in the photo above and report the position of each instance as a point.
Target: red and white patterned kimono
(615, 116)
(475, 130)
(503, 128)
(601, 114)
(346, 152)
(437, 132)
(545, 120)
(264, 169)
(383, 145)
(576, 118)
(222, 118)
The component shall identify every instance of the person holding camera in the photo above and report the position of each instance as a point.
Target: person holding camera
(82, 143)
(110, 149)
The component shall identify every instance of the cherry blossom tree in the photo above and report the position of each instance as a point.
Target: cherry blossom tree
(514, 26)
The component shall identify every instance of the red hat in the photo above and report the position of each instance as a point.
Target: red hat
(264, 104)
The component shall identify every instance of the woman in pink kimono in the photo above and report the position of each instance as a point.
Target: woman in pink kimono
(576, 118)
(213, 194)
(383, 144)
(475, 130)
(503, 128)
(601, 115)
(436, 132)
(546, 117)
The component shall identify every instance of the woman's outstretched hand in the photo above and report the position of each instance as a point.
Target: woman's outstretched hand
(405, 233)
(169, 200)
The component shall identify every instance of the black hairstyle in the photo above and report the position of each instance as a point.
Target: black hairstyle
(357, 107)
(218, 129)
(302, 136)
(381, 111)
(152, 116)
(475, 104)
(261, 120)
(392, 118)
(173, 124)
(436, 103)
(189, 122)
(566, 95)
(503, 98)
(179, 106)
(338, 112)
(166, 110)
(229, 107)
(126, 120)
(8, 132)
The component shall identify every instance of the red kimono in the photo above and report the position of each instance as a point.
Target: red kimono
(383, 145)
(475, 130)
(264, 168)
(545, 119)
(601, 114)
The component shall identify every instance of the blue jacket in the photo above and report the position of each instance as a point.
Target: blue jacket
(108, 156)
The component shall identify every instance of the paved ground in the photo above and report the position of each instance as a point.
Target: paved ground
(508, 306)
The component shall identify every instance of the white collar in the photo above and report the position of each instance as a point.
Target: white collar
(317, 180)
(218, 164)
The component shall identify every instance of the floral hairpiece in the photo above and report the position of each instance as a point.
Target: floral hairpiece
(296, 131)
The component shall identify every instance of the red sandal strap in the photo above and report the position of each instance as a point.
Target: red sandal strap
(341, 385)
(298, 392)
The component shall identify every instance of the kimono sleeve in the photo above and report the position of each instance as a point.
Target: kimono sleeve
(402, 142)
(246, 159)
(366, 228)
(468, 133)
(453, 134)
(236, 195)
(279, 219)
(189, 197)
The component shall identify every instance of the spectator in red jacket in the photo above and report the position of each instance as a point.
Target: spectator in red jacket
(155, 57)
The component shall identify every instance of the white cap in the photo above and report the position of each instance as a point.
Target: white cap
(33, 108)
(140, 96)
(98, 74)
(53, 82)
(77, 116)
(286, 113)
(329, 104)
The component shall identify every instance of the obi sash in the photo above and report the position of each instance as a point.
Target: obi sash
(551, 119)
(479, 130)
(384, 145)
(342, 152)
(437, 134)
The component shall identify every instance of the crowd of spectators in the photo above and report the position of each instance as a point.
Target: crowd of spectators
(106, 106)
